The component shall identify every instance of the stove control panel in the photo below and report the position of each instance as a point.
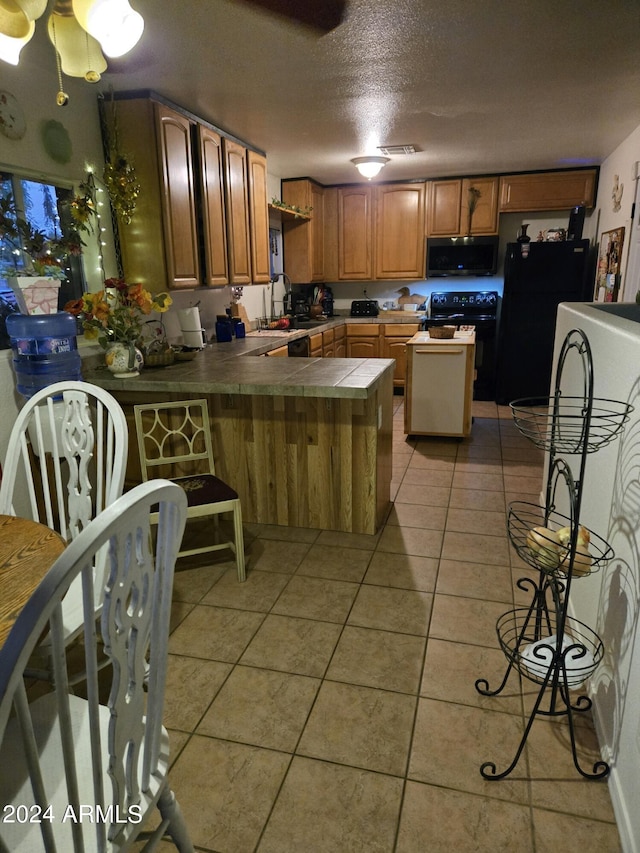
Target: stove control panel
(485, 300)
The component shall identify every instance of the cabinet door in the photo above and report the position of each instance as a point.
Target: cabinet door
(443, 217)
(354, 233)
(178, 198)
(547, 190)
(213, 210)
(394, 345)
(399, 232)
(340, 342)
(236, 194)
(315, 345)
(304, 239)
(485, 216)
(258, 218)
(362, 348)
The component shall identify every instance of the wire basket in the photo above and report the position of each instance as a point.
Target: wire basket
(561, 425)
(547, 555)
(533, 646)
(442, 332)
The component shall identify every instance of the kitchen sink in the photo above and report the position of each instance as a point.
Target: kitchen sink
(305, 324)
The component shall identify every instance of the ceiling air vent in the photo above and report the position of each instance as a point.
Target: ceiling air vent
(388, 150)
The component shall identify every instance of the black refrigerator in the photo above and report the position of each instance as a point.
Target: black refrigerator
(535, 284)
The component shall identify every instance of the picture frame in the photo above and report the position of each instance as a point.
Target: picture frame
(607, 284)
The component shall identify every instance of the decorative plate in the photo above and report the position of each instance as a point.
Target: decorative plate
(56, 141)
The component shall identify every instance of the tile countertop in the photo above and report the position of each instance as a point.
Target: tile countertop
(221, 369)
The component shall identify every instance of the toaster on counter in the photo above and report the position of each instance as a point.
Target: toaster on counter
(365, 308)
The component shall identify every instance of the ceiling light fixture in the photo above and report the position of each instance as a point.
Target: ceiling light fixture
(369, 167)
(79, 30)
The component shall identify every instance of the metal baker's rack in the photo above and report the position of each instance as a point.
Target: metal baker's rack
(542, 642)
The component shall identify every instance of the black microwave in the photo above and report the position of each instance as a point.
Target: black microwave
(462, 256)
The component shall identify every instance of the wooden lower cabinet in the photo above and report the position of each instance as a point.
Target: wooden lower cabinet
(280, 351)
(363, 340)
(394, 345)
(315, 345)
(340, 342)
(297, 461)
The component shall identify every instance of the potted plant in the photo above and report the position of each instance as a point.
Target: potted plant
(114, 317)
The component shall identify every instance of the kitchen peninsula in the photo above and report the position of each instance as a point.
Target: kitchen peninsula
(306, 442)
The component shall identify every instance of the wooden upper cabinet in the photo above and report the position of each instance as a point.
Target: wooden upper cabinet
(547, 191)
(304, 238)
(399, 231)
(448, 207)
(485, 215)
(258, 218)
(443, 217)
(180, 224)
(354, 233)
(213, 209)
(237, 203)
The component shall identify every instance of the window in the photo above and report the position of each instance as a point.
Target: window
(46, 210)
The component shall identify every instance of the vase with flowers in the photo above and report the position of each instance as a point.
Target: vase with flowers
(115, 317)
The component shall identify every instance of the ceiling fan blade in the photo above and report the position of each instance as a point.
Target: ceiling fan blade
(323, 15)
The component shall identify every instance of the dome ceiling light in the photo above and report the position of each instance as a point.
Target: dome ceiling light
(369, 167)
(80, 30)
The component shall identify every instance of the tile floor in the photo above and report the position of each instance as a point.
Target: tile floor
(328, 704)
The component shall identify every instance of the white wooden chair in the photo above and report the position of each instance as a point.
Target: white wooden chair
(174, 441)
(65, 463)
(64, 756)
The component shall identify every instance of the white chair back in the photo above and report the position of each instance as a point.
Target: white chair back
(72, 756)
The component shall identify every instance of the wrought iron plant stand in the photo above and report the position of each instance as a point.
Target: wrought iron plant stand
(542, 642)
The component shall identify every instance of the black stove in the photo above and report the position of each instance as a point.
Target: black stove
(471, 308)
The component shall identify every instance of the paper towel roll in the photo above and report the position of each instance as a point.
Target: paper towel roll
(189, 319)
(194, 338)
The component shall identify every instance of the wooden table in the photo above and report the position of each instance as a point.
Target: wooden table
(27, 551)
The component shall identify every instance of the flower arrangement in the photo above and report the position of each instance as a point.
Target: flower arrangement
(116, 314)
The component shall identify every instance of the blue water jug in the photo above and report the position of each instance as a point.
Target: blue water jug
(45, 350)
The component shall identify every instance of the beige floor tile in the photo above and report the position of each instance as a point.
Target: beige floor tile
(465, 620)
(415, 515)
(324, 561)
(476, 521)
(411, 540)
(277, 556)
(478, 499)
(554, 831)
(190, 585)
(475, 580)
(476, 452)
(326, 808)
(451, 742)
(452, 669)
(479, 466)
(440, 477)
(405, 571)
(261, 707)
(361, 727)
(191, 687)
(420, 462)
(475, 547)
(473, 480)
(214, 633)
(316, 598)
(522, 485)
(381, 659)
(556, 784)
(258, 592)
(426, 446)
(226, 791)
(302, 646)
(424, 495)
(179, 612)
(438, 820)
(177, 741)
(405, 611)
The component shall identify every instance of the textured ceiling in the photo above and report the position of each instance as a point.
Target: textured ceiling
(478, 86)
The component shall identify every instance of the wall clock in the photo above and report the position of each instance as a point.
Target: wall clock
(12, 123)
